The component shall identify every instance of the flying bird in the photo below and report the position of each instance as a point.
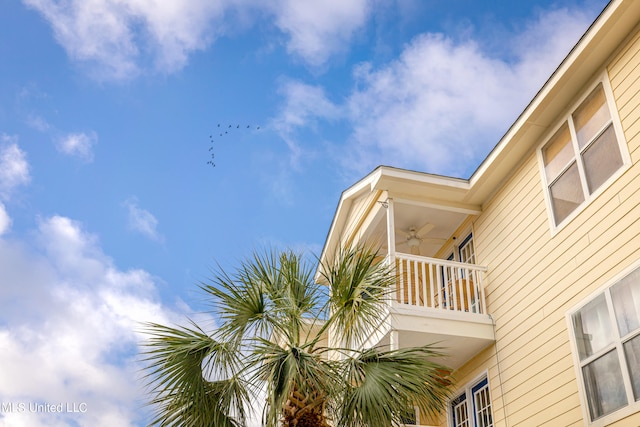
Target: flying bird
(226, 132)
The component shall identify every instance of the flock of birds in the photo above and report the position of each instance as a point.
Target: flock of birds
(223, 131)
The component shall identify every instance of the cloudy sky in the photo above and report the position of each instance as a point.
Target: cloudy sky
(144, 142)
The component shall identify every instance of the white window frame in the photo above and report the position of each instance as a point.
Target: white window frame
(469, 245)
(452, 251)
(632, 407)
(469, 399)
(622, 145)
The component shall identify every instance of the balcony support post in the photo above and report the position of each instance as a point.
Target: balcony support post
(393, 340)
(391, 234)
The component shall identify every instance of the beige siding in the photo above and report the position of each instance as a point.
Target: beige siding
(358, 208)
(359, 211)
(536, 276)
(630, 421)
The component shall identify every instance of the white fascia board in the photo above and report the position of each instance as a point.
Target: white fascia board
(344, 204)
(386, 172)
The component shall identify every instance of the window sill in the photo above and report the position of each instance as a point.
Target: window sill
(618, 415)
(555, 229)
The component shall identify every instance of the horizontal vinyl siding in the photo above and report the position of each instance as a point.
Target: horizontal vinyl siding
(630, 421)
(535, 277)
(625, 77)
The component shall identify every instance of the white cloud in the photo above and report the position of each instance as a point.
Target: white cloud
(120, 39)
(37, 122)
(304, 106)
(14, 168)
(320, 29)
(443, 103)
(68, 329)
(141, 220)
(116, 38)
(78, 144)
(5, 220)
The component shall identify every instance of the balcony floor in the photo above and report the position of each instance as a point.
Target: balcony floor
(460, 335)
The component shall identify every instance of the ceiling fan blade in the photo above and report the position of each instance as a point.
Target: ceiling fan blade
(438, 242)
(401, 233)
(425, 229)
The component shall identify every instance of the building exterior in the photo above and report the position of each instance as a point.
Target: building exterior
(529, 271)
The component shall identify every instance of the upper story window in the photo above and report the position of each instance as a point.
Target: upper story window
(466, 252)
(583, 154)
(606, 338)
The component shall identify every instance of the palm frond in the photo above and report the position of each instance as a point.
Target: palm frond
(359, 282)
(181, 394)
(380, 386)
(270, 294)
(293, 374)
(240, 302)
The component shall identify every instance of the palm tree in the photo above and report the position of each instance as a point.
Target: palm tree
(271, 350)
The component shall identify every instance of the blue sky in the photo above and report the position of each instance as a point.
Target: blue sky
(110, 213)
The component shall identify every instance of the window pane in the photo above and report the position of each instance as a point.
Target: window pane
(591, 116)
(466, 251)
(632, 354)
(626, 303)
(460, 415)
(604, 386)
(483, 408)
(558, 153)
(566, 193)
(592, 326)
(602, 159)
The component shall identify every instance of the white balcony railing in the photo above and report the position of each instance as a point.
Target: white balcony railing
(439, 284)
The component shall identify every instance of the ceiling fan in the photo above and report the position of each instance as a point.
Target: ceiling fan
(416, 236)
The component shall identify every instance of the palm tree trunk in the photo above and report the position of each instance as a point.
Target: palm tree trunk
(304, 411)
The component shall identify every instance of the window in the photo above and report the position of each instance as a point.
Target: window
(412, 416)
(606, 332)
(472, 408)
(466, 252)
(582, 154)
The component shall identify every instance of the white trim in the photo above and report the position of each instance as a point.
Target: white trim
(603, 78)
(628, 409)
(441, 205)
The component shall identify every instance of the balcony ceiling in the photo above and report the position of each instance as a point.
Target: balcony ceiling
(408, 215)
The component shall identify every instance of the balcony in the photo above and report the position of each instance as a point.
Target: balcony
(435, 284)
(436, 302)
(424, 226)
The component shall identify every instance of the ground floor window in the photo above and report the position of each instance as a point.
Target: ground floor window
(606, 338)
(472, 407)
